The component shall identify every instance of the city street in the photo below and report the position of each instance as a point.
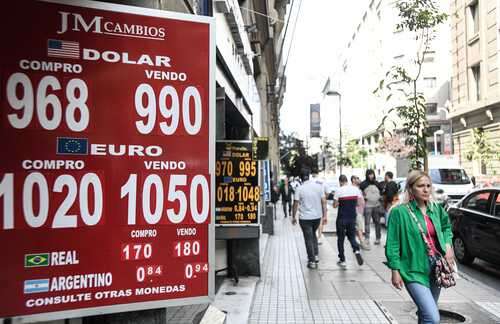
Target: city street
(153, 152)
(483, 272)
(289, 292)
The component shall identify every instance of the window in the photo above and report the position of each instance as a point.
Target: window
(431, 108)
(474, 15)
(479, 202)
(432, 129)
(430, 82)
(449, 176)
(497, 206)
(398, 58)
(476, 81)
(429, 56)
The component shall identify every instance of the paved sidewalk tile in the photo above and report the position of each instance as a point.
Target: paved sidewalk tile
(289, 292)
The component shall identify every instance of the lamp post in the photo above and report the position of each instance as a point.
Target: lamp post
(438, 132)
(336, 93)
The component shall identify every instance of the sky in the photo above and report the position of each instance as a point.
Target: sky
(323, 29)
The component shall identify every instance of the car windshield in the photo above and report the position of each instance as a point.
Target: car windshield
(449, 176)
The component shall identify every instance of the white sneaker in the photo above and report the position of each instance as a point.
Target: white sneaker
(342, 264)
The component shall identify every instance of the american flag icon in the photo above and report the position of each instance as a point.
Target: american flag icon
(65, 49)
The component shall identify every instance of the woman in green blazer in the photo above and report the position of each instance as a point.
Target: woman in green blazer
(406, 252)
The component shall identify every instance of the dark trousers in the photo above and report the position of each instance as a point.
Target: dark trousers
(346, 227)
(285, 203)
(309, 228)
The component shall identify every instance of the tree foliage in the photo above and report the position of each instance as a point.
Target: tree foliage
(481, 149)
(395, 146)
(294, 159)
(354, 155)
(420, 18)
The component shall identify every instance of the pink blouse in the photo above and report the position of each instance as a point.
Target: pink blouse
(431, 235)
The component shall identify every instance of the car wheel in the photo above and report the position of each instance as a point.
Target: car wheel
(461, 253)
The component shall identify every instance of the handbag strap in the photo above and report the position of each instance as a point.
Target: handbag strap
(424, 237)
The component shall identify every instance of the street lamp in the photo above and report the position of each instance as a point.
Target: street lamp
(438, 132)
(336, 93)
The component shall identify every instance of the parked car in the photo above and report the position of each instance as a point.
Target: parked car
(476, 226)
(450, 184)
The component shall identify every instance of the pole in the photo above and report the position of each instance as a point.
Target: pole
(340, 133)
(435, 143)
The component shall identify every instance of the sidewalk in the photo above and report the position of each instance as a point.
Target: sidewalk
(289, 292)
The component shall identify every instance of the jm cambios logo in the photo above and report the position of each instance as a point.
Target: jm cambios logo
(75, 22)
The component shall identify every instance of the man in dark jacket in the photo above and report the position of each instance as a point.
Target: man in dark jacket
(286, 192)
(390, 190)
(372, 192)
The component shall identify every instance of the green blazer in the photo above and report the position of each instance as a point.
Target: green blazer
(405, 249)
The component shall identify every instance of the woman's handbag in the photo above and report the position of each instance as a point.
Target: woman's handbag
(443, 272)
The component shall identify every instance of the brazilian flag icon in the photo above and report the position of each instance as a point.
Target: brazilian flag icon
(36, 260)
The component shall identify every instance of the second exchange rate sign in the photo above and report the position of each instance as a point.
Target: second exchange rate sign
(106, 128)
(237, 184)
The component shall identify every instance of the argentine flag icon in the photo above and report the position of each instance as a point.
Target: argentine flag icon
(36, 286)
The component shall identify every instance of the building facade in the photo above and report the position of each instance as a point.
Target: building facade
(377, 45)
(475, 91)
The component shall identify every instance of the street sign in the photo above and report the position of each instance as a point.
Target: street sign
(266, 174)
(237, 184)
(106, 176)
(315, 120)
(260, 148)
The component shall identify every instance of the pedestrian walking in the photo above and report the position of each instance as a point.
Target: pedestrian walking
(360, 218)
(286, 193)
(346, 199)
(372, 193)
(411, 259)
(390, 190)
(310, 201)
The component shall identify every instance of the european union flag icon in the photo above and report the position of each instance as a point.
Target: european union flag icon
(72, 146)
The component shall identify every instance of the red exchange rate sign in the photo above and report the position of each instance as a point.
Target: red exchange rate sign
(107, 145)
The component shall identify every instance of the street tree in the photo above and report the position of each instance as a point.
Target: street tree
(395, 146)
(482, 150)
(400, 87)
(354, 155)
(294, 159)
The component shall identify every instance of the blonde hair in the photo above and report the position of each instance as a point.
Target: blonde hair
(412, 178)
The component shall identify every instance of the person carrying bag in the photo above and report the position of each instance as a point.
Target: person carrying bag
(419, 248)
(441, 271)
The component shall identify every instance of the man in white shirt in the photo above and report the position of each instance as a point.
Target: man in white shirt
(310, 201)
(346, 199)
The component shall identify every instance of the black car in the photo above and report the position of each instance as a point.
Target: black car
(476, 226)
